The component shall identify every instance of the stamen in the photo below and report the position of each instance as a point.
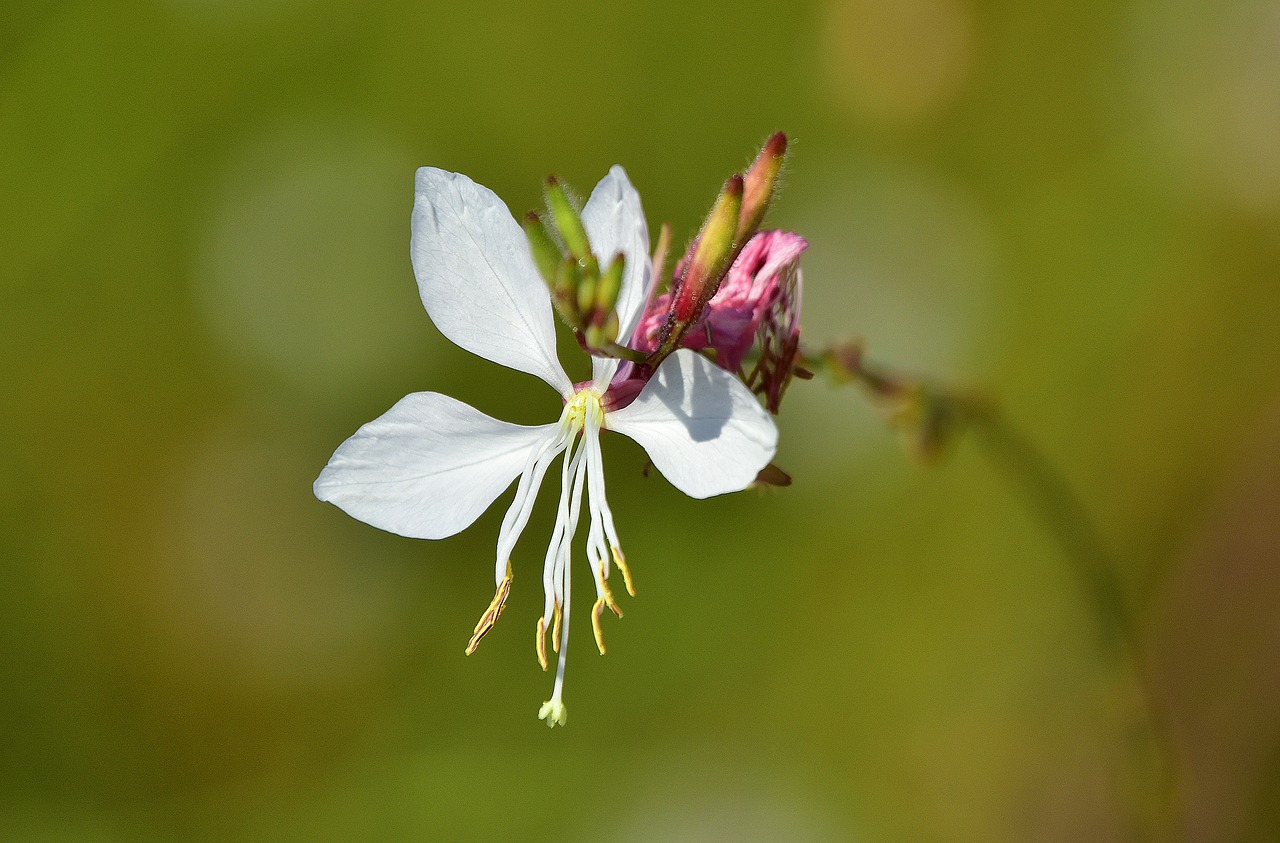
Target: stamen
(606, 593)
(491, 614)
(559, 551)
(600, 506)
(517, 515)
(562, 533)
(596, 610)
(555, 628)
(621, 562)
(542, 643)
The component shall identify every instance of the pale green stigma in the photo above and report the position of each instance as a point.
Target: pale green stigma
(554, 712)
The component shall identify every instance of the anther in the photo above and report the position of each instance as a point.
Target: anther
(621, 562)
(542, 642)
(596, 610)
(606, 593)
(491, 614)
(555, 627)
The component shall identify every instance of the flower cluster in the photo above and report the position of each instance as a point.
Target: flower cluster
(430, 465)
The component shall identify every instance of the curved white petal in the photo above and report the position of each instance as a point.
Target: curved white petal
(615, 223)
(427, 467)
(702, 428)
(602, 371)
(477, 278)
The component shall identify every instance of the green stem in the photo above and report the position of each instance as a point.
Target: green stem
(624, 353)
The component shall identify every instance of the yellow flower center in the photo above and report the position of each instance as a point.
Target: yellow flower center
(581, 405)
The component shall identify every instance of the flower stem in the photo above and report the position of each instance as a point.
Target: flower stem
(613, 349)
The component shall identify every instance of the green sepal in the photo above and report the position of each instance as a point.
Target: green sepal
(567, 220)
(546, 254)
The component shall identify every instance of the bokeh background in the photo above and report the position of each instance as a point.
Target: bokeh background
(205, 287)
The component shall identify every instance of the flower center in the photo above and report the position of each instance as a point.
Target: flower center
(584, 404)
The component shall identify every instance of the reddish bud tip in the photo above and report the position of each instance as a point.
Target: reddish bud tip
(762, 179)
(776, 146)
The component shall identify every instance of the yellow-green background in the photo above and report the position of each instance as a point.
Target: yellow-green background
(205, 287)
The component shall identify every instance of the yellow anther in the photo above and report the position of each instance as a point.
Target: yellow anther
(491, 614)
(542, 642)
(555, 627)
(595, 623)
(621, 562)
(606, 593)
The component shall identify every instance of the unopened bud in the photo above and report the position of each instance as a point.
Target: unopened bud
(711, 256)
(603, 334)
(565, 290)
(660, 255)
(546, 254)
(567, 220)
(608, 288)
(759, 184)
(588, 281)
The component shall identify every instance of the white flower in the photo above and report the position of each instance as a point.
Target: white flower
(431, 465)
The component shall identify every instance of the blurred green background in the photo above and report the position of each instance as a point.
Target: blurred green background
(205, 287)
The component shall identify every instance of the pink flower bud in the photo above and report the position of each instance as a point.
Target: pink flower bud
(759, 299)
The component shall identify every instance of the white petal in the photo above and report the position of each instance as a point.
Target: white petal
(615, 223)
(427, 467)
(703, 429)
(602, 371)
(477, 278)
